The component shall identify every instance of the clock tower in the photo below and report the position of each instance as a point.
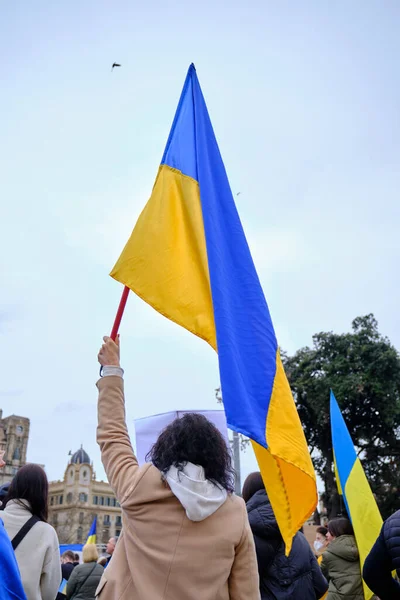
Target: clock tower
(14, 436)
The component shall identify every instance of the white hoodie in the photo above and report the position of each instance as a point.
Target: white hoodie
(198, 496)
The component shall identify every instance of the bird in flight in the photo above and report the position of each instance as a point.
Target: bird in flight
(115, 65)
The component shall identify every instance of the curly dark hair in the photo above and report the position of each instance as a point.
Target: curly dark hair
(193, 438)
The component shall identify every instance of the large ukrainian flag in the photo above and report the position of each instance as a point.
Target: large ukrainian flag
(353, 485)
(188, 258)
(92, 533)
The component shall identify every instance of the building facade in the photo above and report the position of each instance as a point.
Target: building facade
(14, 436)
(75, 501)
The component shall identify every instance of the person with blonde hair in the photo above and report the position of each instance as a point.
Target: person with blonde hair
(85, 578)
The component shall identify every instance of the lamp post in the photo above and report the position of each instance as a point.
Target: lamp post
(236, 462)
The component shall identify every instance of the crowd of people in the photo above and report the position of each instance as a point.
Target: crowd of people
(30, 564)
(185, 535)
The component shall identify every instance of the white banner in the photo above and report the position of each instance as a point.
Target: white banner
(149, 428)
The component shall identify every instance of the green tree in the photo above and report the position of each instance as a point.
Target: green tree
(363, 370)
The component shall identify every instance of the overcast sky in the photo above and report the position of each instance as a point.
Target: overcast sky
(304, 99)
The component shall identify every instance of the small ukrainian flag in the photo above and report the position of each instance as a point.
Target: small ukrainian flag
(92, 533)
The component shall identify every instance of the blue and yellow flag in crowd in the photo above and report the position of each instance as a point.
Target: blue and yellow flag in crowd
(188, 258)
(338, 484)
(353, 485)
(92, 533)
(10, 578)
(63, 587)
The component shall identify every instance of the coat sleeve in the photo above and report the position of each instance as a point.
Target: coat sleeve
(325, 565)
(320, 584)
(377, 572)
(244, 582)
(119, 460)
(72, 583)
(50, 578)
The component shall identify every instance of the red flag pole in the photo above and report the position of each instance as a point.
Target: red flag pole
(120, 312)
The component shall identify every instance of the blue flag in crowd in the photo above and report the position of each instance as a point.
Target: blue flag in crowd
(10, 579)
(92, 533)
(63, 587)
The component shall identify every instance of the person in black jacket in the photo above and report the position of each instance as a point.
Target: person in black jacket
(383, 559)
(297, 576)
(67, 566)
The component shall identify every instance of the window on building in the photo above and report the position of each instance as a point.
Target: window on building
(101, 501)
(114, 502)
(55, 519)
(108, 501)
(118, 522)
(81, 515)
(52, 501)
(71, 473)
(107, 521)
(17, 453)
(69, 498)
(117, 504)
(79, 534)
(95, 500)
(84, 474)
(83, 497)
(61, 499)
(117, 532)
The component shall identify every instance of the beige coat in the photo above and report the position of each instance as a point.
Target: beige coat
(161, 554)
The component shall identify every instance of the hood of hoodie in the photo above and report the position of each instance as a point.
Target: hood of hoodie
(261, 516)
(199, 497)
(344, 547)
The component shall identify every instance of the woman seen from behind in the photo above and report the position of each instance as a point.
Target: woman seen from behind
(341, 562)
(85, 578)
(34, 540)
(294, 577)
